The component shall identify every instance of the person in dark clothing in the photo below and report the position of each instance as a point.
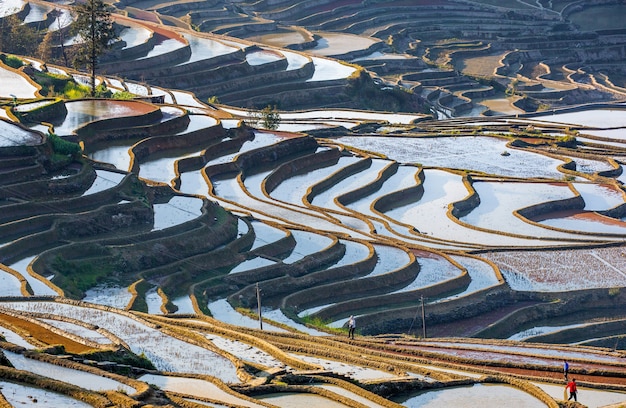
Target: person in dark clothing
(351, 327)
(565, 369)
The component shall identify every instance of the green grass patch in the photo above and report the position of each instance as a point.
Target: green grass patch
(75, 277)
(316, 321)
(51, 84)
(123, 96)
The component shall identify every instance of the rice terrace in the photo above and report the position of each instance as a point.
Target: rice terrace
(197, 196)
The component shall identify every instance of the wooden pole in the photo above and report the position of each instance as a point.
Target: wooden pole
(258, 301)
(423, 318)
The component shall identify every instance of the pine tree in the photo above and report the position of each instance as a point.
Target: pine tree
(16, 37)
(94, 28)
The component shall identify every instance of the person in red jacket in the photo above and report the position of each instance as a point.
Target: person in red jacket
(572, 389)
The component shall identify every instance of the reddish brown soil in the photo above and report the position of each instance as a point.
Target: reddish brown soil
(44, 335)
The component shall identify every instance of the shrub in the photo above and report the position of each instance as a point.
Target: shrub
(51, 83)
(73, 90)
(567, 141)
(123, 96)
(64, 147)
(13, 61)
(103, 92)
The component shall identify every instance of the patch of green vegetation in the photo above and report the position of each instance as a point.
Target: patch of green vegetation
(136, 191)
(13, 61)
(123, 96)
(63, 151)
(51, 84)
(567, 141)
(64, 147)
(318, 322)
(121, 356)
(543, 107)
(72, 90)
(76, 276)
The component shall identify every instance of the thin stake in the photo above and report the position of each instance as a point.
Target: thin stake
(258, 301)
(423, 318)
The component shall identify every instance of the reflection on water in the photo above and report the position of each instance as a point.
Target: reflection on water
(81, 112)
(177, 211)
(329, 70)
(298, 400)
(13, 135)
(63, 20)
(104, 180)
(39, 288)
(164, 47)
(9, 285)
(80, 378)
(196, 387)
(115, 155)
(22, 396)
(8, 7)
(134, 36)
(15, 84)
(339, 43)
(205, 48)
(601, 118)
(37, 13)
(262, 57)
(476, 396)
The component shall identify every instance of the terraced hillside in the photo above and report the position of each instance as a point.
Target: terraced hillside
(463, 57)
(167, 241)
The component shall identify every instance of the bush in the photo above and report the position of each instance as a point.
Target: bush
(13, 61)
(64, 147)
(103, 92)
(123, 96)
(51, 83)
(567, 141)
(73, 90)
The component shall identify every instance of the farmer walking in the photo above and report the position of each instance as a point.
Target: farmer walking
(572, 389)
(565, 369)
